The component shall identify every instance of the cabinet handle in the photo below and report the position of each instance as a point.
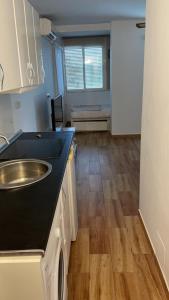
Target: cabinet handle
(3, 76)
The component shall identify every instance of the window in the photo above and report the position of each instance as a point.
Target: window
(84, 67)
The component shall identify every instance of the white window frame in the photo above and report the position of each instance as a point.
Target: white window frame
(103, 70)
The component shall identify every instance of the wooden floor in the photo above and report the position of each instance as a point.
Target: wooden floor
(112, 258)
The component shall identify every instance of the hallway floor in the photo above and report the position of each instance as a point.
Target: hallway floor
(112, 258)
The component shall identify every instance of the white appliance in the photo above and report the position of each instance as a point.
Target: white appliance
(72, 192)
(55, 261)
(46, 29)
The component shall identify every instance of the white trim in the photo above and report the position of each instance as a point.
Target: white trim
(145, 227)
(85, 90)
(124, 133)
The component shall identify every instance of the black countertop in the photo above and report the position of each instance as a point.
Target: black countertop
(26, 214)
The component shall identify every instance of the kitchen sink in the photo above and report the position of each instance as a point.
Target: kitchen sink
(22, 172)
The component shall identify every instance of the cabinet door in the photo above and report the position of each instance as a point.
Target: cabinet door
(39, 58)
(9, 56)
(72, 195)
(31, 42)
(66, 214)
(22, 42)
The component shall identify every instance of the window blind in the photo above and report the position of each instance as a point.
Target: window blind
(74, 68)
(93, 67)
(86, 63)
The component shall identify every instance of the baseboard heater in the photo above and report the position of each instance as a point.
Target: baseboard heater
(91, 125)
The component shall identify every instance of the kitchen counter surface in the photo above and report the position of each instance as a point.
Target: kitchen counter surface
(26, 214)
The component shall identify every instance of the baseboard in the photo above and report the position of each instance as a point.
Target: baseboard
(130, 135)
(153, 249)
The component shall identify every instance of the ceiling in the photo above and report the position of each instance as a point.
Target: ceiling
(67, 12)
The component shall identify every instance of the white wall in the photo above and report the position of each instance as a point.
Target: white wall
(29, 111)
(127, 55)
(154, 186)
(6, 117)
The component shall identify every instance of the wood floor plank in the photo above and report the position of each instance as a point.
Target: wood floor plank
(121, 254)
(94, 167)
(114, 214)
(82, 169)
(125, 287)
(79, 256)
(122, 183)
(82, 188)
(149, 277)
(109, 189)
(95, 183)
(99, 242)
(96, 204)
(83, 213)
(137, 237)
(135, 286)
(128, 203)
(100, 277)
(78, 286)
(83, 202)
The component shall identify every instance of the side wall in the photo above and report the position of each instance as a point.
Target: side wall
(154, 185)
(127, 55)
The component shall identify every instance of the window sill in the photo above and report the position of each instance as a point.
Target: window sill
(86, 91)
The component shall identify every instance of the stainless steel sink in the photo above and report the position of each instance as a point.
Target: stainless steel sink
(22, 172)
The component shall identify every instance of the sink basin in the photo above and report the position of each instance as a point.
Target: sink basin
(22, 172)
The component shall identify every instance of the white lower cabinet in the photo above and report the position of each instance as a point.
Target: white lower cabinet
(54, 263)
(38, 276)
(66, 215)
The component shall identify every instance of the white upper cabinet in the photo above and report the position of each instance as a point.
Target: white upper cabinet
(21, 66)
(22, 42)
(39, 58)
(9, 59)
(31, 44)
